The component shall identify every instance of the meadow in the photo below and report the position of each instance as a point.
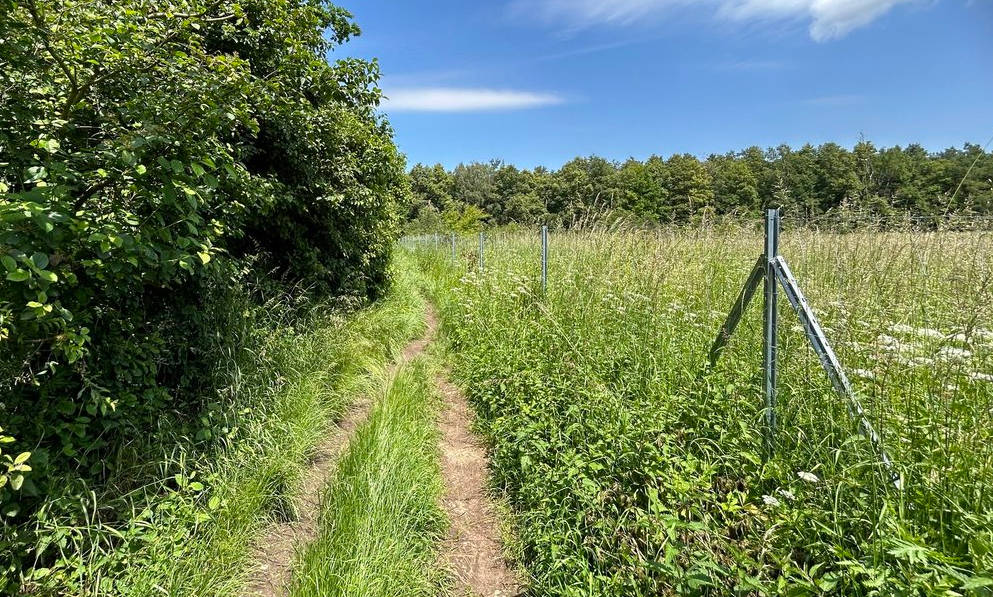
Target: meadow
(632, 468)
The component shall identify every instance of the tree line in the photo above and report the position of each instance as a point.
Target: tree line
(808, 182)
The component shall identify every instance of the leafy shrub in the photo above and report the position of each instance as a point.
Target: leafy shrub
(153, 156)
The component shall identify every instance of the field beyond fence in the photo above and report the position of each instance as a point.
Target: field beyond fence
(643, 470)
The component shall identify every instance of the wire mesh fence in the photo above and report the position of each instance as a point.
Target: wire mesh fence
(907, 310)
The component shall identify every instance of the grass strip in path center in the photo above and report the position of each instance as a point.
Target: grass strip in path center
(380, 521)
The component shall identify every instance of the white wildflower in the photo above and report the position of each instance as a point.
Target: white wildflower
(901, 328)
(864, 373)
(888, 340)
(918, 362)
(770, 500)
(952, 353)
(983, 334)
(976, 376)
(929, 333)
(786, 493)
(808, 477)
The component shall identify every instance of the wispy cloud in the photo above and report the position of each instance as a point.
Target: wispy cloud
(829, 19)
(455, 99)
(593, 49)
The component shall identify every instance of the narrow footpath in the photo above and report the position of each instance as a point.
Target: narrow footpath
(472, 553)
(275, 549)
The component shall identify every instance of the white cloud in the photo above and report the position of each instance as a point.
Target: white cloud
(454, 99)
(829, 19)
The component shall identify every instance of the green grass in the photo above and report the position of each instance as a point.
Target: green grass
(632, 470)
(190, 525)
(380, 518)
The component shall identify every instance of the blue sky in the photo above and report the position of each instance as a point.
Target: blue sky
(538, 82)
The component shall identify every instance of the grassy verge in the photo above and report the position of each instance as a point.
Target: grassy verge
(380, 515)
(193, 520)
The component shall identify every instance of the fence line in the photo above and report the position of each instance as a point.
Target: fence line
(772, 269)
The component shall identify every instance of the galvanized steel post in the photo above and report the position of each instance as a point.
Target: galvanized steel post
(544, 259)
(454, 256)
(771, 325)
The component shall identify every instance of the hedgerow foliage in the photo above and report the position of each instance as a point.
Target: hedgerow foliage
(153, 154)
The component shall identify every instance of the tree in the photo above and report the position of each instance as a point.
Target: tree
(429, 186)
(735, 185)
(474, 184)
(690, 187)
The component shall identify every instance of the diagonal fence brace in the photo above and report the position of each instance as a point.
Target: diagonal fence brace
(830, 362)
(737, 310)
(771, 268)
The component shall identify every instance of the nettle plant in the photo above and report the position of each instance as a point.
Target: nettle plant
(152, 156)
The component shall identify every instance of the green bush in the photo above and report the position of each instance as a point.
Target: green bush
(155, 156)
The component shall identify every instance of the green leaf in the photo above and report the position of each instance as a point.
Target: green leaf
(16, 481)
(40, 260)
(18, 275)
(977, 582)
(22, 457)
(48, 276)
(8, 263)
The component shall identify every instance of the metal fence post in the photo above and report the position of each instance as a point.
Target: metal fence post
(481, 263)
(770, 344)
(544, 259)
(454, 256)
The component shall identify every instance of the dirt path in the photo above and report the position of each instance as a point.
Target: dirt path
(273, 558)
(472, 552)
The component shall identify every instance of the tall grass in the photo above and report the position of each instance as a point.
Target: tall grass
(380, 515)
(634, 470)
(181, 515)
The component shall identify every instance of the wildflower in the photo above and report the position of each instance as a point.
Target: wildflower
(900, 328)
(889, 343)
(786, 493)
(983, 334)
(888, 340)
(917, 362)
(976, 376)
(952, 353)
(770, 500)
(808, 477)
(864, 373)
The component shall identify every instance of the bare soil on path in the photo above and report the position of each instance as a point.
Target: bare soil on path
(472, 552)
